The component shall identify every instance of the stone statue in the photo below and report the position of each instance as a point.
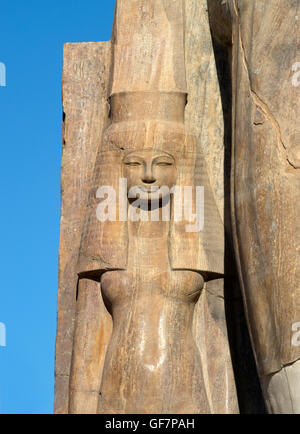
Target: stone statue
(265, 181)
(268, 140)
(150, 316)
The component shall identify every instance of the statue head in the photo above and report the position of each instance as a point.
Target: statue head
(148, 144)
(147, 172)
(147, 131)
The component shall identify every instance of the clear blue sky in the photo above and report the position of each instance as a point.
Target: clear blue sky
(32, 34)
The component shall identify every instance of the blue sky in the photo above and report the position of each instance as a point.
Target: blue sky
(32, 34)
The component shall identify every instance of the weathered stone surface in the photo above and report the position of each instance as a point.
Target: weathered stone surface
(85, 76)
(266, 182)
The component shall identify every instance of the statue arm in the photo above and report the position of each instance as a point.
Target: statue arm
(93, 327)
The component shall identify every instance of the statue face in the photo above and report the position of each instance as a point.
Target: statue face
(149, 170)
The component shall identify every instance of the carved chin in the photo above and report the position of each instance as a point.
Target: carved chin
(146, 194)
(141, 192)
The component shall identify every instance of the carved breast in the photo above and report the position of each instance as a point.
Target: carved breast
(121, 286)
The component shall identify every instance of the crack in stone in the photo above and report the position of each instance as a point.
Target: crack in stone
(283, 366)
(259, 102)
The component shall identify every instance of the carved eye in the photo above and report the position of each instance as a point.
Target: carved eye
(132, 163)
(163, 163)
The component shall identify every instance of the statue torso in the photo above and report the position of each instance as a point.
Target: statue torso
(152, 356)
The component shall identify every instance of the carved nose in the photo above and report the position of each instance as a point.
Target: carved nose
(148, 179)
